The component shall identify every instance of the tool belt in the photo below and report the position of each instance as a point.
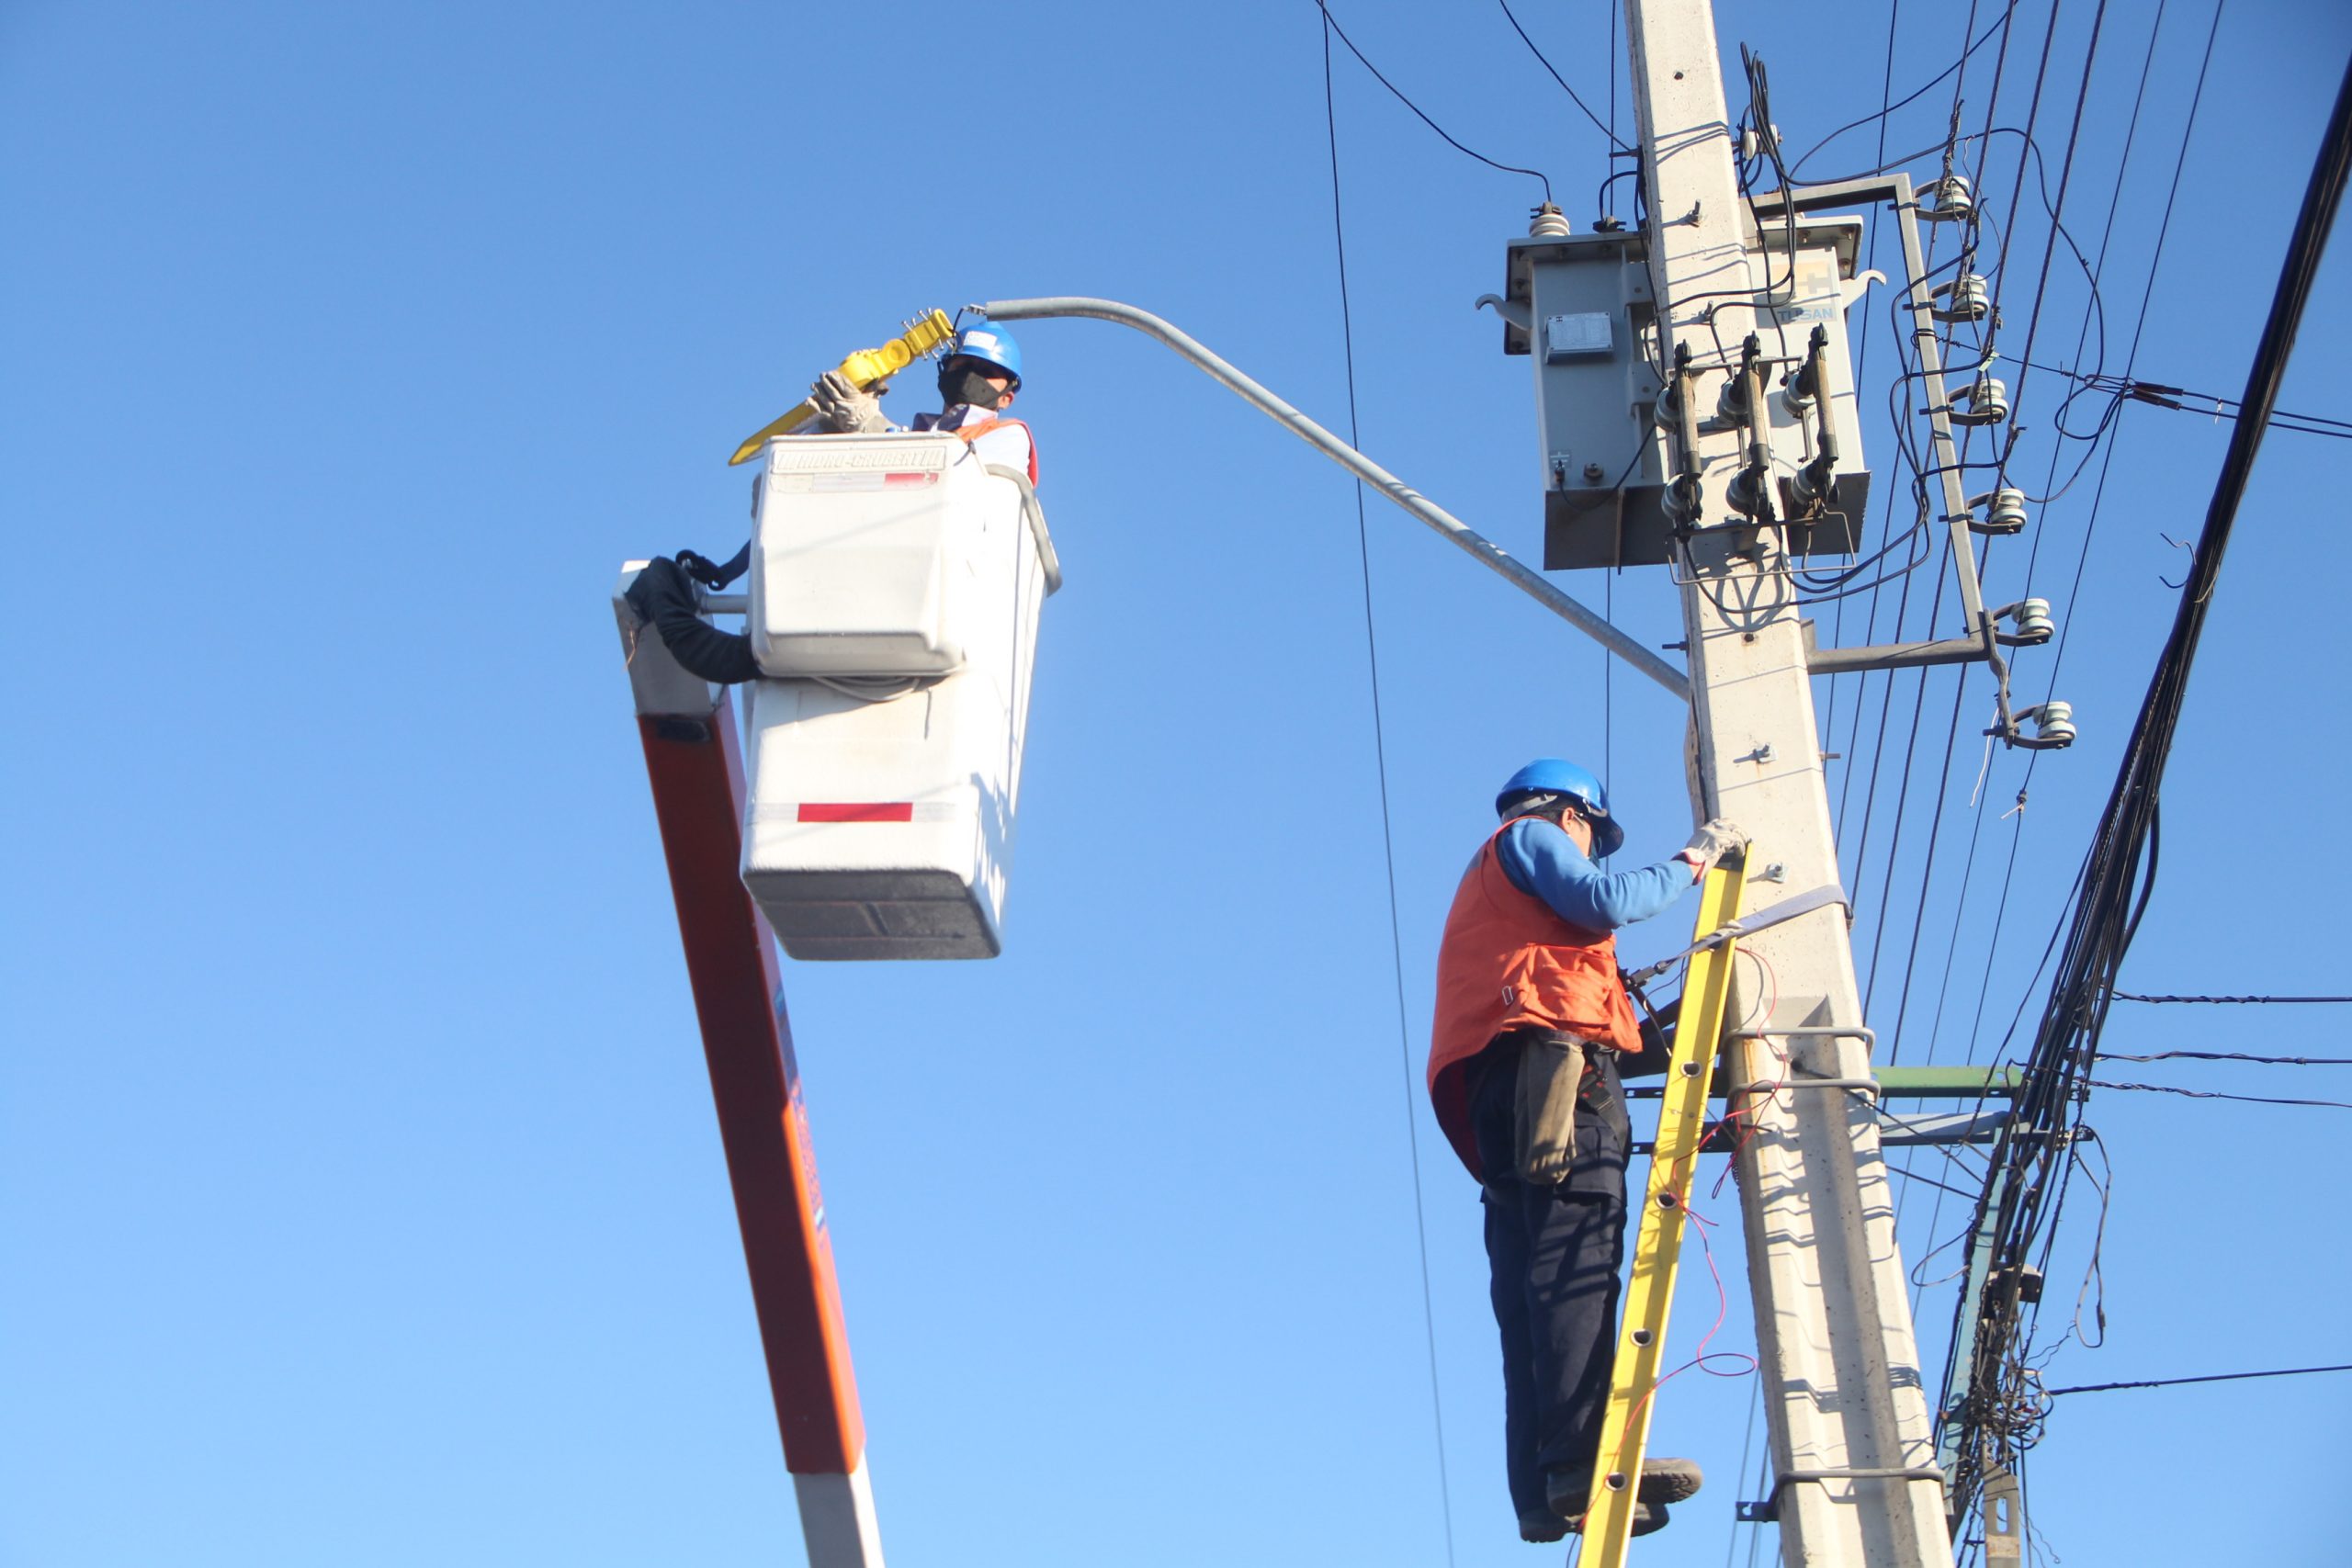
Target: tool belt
(1556, 1075)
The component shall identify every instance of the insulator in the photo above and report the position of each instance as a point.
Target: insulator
(1965, 299)
(1949, 200)
(2054, 723)
(1812, 482)
(1797, 397)
(1550, 224)
(1667, 411)
(1750, 493)
(2033, 621)
(1731, 402)
(1802, 488)
(2004, 510)
(1988, 400)
(1684, 502)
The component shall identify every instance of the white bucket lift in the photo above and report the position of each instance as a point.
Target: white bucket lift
(893, 610)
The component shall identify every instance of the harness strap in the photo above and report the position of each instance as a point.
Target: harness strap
(970, 433)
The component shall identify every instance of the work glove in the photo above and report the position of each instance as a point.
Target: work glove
(1715, 840)
(843, 410)
(708, 572)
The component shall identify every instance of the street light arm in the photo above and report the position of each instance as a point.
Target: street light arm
(1471, 542)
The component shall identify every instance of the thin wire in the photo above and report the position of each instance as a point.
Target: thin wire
(2135, 996)
(1747, 1446)
(2175, 1382)
(2225, 1056)
(1862, 357)
(1887, 108)
(2216, 1094)
(1615, 8)
(1333, 23)
(1387, 835)
(1562, 81)
(2065, 179)
(2131, 356)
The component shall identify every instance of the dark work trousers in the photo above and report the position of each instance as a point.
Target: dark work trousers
(1554, 1252)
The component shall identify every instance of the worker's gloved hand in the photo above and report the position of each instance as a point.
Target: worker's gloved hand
(702, 568)
(1715, 840)
(712, 574)
(844, 410)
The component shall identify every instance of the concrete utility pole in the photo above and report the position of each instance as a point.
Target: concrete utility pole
(1852, 1440)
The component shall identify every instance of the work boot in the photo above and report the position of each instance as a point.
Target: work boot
(1542, 1526)
(1648, 1519)
(1670, 1480)
(1663, 1480)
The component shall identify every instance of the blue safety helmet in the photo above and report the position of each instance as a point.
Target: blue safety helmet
(1550, 775)
(990, 345)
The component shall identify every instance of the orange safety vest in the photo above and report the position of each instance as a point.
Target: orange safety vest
(972, 432)
(1509, 962)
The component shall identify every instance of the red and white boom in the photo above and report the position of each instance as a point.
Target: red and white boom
(695, 762)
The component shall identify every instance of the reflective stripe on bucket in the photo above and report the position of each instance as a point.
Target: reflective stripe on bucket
(859, 811)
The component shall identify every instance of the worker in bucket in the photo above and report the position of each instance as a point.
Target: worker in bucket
(1531, 1017)
(978, 379)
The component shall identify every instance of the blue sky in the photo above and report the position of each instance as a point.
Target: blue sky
(362, 1198)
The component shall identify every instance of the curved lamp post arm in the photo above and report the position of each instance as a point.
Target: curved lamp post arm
(1470, 541)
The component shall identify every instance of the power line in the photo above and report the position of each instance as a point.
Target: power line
(2119, 880)
(1333, 23)
(2175, 1382)
(2240, 1001)
(1387, 833)
(1887, 108)
(2131, 356)
(2217, 1094)
(1562, 81)
(2226, 1057)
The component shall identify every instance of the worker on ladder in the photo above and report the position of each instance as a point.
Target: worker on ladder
(978, 379)
(1531, 1016)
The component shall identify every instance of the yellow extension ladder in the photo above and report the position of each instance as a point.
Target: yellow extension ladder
(1649, 1288)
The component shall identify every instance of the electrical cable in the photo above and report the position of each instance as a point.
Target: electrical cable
(1926, 881)
(1387, 833)
(2066, 182)
(2117, 883)
(2216, 1094)
(2136, 997)
(1862, 355)
(2224, 1056)
(2131, 356)
(2175, 1382)
(1605, 130)
(1333, 22)
(1922, 91)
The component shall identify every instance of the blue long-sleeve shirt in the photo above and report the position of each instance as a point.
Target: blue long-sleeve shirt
(1542, 862)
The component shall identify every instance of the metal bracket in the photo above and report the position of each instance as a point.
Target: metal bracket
(1768, 1510)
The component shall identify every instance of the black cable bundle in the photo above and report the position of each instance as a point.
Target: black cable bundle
(1999, 1409)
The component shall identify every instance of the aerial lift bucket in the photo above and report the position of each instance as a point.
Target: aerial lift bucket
(895, 581)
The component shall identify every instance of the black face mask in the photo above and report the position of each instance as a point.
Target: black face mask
(962, 384)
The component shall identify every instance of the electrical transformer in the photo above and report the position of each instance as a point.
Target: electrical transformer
(1582, 307)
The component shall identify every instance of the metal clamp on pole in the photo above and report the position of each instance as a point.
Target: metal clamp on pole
(1868, 1087)
(1868, 1037)
(1767, 1510)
